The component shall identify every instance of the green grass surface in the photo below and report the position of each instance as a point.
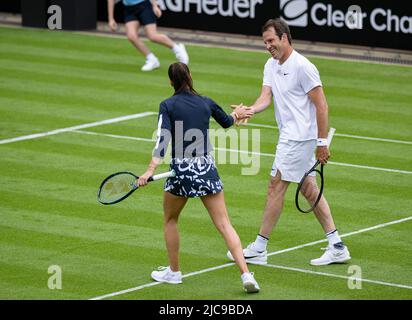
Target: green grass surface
(48, 209)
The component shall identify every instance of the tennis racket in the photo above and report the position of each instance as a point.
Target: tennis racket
(118, 186)
(302, 204)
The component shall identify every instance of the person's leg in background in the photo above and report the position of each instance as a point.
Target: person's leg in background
(132, 33)
(178, 49)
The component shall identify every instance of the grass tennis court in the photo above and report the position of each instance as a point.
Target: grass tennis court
(49, 214)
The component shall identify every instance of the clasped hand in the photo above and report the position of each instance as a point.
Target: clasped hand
(243, 113)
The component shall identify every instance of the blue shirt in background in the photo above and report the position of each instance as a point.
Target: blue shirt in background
(132, 2)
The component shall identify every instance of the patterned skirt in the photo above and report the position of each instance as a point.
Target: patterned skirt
(195, 177)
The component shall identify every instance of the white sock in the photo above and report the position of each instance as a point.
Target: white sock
(151, 57)
(333, 237)
(261, 243)
(175, 48)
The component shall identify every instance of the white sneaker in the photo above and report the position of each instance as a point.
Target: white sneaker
(338, 253)
(252, 255)
(151, 64)
(249, 283)
(182, 55)
(165, 274)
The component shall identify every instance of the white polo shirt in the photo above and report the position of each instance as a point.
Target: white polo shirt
(290, 82)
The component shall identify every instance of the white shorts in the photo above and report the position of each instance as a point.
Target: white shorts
(293, 159)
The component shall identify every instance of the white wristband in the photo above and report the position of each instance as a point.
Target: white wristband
(321, 142)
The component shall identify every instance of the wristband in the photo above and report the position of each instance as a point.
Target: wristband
(322, 142)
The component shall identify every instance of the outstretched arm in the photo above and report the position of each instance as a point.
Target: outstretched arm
(261, 103)
(264, 100)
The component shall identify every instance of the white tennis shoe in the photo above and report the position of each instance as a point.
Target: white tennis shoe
(252, 255)
(338, 253)
(151, 64)
(181, 54)
(165, 274)
(250, 285)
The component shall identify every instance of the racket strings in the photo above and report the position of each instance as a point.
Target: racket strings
(117, 187)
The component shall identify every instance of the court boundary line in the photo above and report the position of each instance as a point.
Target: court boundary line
(245, 152)
(77, 127)
(327, 274)
(151, 284)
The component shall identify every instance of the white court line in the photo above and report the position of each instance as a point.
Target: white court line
(338, 276)
(247, 152)
(81, 126)
(342, 236)
(116, 136)
(151, 284)
(270, 254)
(368, 167)
(259, 125)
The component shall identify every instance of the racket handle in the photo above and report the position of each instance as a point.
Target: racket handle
(162, 175)
(330, 135)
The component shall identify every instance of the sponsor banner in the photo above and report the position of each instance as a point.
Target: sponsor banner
(378, 23)
(374, 23)
(229, 16)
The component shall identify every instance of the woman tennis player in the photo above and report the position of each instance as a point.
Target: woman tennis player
(184, 119)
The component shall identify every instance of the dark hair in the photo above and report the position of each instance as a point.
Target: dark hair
(179, 75)
(280, 27)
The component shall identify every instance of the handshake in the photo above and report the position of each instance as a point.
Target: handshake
(241, 113)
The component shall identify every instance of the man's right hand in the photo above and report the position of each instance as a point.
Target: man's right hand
(112, 25)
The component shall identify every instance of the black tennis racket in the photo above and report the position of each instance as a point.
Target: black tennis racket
(118, 186)
(302, 204)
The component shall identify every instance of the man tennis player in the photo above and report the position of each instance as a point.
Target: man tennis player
(301, 113)
(145, 13)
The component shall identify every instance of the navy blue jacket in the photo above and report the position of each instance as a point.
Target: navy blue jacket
(184, 119)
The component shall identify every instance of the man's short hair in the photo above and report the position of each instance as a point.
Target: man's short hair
(280, 27)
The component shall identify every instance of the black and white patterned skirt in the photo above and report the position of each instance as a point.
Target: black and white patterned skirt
(195, 177)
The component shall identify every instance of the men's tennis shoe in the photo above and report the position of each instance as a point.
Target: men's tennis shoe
(181, 54)
(151, 64)
(252, 255)
(250, 285)
(165, 274)
(337, 253)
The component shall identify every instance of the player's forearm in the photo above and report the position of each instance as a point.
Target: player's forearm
(261, 104)
(264, 100)
(322, 115)
(110, 9)
(154, 3)
(153, 164)
(318, 98)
